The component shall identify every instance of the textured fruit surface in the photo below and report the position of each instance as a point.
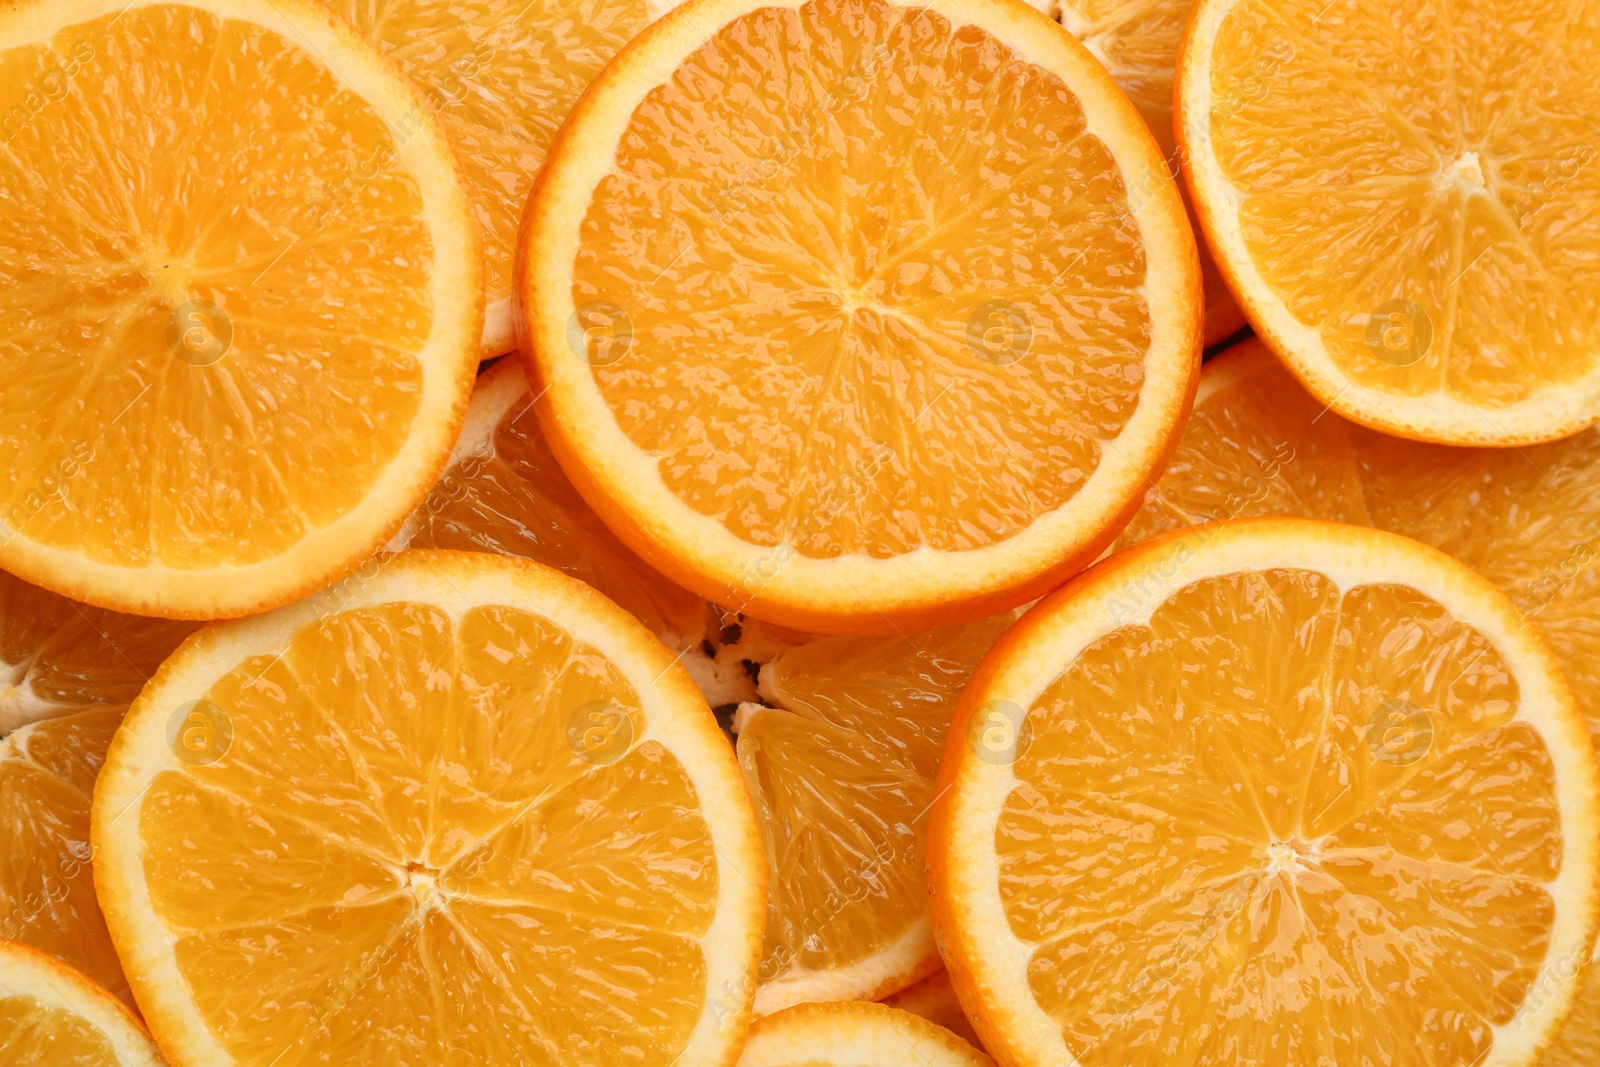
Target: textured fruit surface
(1524, 518)
(234, 302)
(1273, 772)
(1138, 42)
(71, 670)
(501, 76)
(51, 1015)
(505, 493)
(864, 302)
(854, 1034)
(1411, 224)
(841, 767)
(935, 999)
(532, 841)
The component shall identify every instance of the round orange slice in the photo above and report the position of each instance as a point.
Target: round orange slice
(1411, 230)
(1270, 791)
(1138, 42)
(50, 1014)
(855, 1034)
(471, 805)
(240, 301)
(842, 313)
(501, 76)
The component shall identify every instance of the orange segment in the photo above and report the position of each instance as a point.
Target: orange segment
(522, 829)
(873, 336)
(1139, 42)
(504, 492)
(1258, 444)
(1266, 775)
(1402, 220)
(854, 1035)
(501, 77)
(49, 1013)
(841, 766)
(934, 999)
(223, 387)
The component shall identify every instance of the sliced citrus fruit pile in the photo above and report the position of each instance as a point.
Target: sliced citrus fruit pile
(501, 75)
(72, 670)
(1139, 42)
(854, 1034)
(504, 492)
(475, 804)
(1525, 518)
(840, 761)
(811, 358)
(1250, 782)
(225, 381)
(50, 1014)
(1410, 229)
(934, 998)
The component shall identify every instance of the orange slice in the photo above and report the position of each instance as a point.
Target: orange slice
(501, 76)
(50, 1014)
(854, 1034)
(871, 336)
(1409, 227)
(840, 762)
(504, 492)
(934, 998)
(1271, 791)
(71, 670)
(1524, 518)
(1138, 42)
(473, 804)
(224, 383)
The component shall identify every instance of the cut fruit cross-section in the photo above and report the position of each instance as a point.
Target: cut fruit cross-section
(1138, 42)
(1405, 203)
(240, 301)
(934, 998)
(842, 313)
(472, 812)
(501, 75)
(72, 670)
(855, 1034)
(841, 763)
(504, 492)
(1525, 518)
(51, 1015)
(1270, 792)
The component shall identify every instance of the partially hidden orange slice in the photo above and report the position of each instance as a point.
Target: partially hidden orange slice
(224, 383)
(471, 812)
(50, 1014)
(934, 998)
(840, 759)
(1139, 42)
(872, 337)
(1410, 228)
(501, 76)
(1270, 791)
(1525, 518)
(855, 1034)
(71, 672)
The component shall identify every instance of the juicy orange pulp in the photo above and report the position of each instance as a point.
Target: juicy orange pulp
(505, 493)
(145, 427)
(32, 1032)
(1245, 865)
(897, 302)
(443, 860)
(841, 768)
(501, 76)
(1452, 173)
